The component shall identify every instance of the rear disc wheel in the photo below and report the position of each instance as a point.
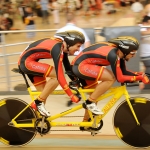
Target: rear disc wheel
(9, 134)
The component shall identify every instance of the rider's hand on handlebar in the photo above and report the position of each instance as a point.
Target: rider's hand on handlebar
(75, 98)
(79, 96)
(139, 73)
(142, 77)
(145, 79)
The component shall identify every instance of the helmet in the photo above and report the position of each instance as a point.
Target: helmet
(71, 37)
(125, 43)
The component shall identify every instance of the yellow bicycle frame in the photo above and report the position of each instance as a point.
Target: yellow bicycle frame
(116, 92)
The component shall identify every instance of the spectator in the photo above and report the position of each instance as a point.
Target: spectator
(55, 11)
(22, 11)
(137, 8)
(71, 25)
(146, 13)
(8, 22)
(1, 9)
(110, 6)
(145, 51)
(45, 8)
(86, 7)
(38, 8)
(98, 7)
(123, 3)
(29, 21)
(77, 4)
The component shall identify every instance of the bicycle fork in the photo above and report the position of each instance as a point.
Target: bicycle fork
(131, 108)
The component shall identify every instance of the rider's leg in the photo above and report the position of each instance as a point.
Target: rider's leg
(46, 89)
(107, 79)
(37, 73)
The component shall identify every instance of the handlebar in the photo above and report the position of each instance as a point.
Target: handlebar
(136, 83)
(74, 86)
(132, 84)
(148, 75)
(76, 82)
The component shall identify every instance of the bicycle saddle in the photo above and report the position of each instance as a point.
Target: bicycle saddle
(16, 70)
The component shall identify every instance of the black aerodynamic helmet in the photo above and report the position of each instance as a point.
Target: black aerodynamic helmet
(71, 37)
(125, 43)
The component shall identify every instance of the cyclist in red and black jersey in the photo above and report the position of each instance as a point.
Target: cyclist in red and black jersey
(89, 67)
(56, 48)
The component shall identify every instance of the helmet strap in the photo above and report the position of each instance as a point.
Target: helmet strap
(125, 55)
(68, 47)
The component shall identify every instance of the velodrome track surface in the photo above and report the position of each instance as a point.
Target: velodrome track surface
(72, 142)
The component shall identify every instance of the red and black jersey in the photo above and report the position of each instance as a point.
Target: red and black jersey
(48, 48)
(102, 54)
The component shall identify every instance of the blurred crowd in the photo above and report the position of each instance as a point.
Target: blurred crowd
(9, 9)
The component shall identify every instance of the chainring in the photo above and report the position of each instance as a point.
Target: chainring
(42, 129)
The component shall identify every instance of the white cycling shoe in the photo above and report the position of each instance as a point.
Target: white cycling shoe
(42, 110)
(94, 109)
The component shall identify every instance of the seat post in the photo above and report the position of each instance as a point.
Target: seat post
(26, 81)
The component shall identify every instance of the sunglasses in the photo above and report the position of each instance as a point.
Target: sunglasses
(132, 53)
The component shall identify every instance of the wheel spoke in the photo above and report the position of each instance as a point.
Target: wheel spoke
(13, 135)
(126, 126)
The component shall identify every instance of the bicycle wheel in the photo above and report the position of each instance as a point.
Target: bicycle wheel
(11, 135)
(126, 127)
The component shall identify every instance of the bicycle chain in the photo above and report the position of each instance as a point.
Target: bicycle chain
(65, 130)
(67, 117)
(70, 116)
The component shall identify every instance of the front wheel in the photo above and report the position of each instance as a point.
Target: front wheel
(126, 126)
(9, 134)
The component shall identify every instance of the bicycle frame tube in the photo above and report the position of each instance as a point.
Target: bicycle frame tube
(54, 124)
(118, 92)
(131, 108)
(60, 92)
(34, 94)
(71, 124)
(65, 112)
(25, 125)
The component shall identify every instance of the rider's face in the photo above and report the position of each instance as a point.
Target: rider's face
(130, 55)
(74, 48)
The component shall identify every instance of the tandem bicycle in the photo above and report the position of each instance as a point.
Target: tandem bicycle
(19, 122)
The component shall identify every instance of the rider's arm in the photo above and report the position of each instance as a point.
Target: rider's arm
(57, 56)
(124, 70)
(116, 68)
(67, 66)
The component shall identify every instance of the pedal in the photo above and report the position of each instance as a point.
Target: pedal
(84, 106)
(82, 129)
(89, 129)
(42, 126)
(93, 133)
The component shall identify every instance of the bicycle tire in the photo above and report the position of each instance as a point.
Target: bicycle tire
(125, 126)
(11, 135)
